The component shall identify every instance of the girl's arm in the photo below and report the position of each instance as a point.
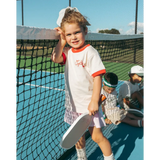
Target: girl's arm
(56, 56)
(93, 105)
(132, 106)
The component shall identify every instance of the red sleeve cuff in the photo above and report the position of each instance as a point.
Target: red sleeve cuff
(64, 59)
(103, 71)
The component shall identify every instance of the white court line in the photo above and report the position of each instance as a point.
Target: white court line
(57, 89)
(40, 71)
(43, 86)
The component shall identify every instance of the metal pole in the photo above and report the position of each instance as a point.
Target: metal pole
(136, 17)
(22, 12)
(69, 3)
(134, 58)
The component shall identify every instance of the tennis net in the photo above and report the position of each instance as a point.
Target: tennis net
(41, 88)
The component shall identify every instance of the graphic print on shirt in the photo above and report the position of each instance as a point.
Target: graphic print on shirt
(79, 62)
(79, 70)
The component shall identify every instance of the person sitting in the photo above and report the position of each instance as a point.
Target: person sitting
(112, 112)
(130, 93)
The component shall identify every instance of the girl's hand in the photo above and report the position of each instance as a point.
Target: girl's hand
(93, 107)
(62, 36)
(56, 56)
(126, 101)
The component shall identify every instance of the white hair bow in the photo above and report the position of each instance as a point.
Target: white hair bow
(62, 13)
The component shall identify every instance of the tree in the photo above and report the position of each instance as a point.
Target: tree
(112, 31)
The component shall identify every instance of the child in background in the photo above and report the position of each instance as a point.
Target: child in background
(83, 78)
(130, 94)
(113, 113)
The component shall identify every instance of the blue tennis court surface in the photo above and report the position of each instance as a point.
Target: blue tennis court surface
(40, 124)
(40, 111)
(126, 142)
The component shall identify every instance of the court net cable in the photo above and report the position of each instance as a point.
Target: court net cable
(41, 91)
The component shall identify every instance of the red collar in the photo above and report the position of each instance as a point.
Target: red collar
(81, 49)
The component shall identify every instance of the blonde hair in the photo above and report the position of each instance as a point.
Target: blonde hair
(72, 16)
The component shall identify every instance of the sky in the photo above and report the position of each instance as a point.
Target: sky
(101, 14)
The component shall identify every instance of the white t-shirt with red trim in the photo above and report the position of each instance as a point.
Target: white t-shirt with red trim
(81, 66)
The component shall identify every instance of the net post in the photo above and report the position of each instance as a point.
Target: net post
(69, 3)
(22, 13)
(136, 17)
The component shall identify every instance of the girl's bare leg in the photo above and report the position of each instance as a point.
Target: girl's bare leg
(131, 122)
(133, 116)
(80, 148)
(104, 144)
(81, 143)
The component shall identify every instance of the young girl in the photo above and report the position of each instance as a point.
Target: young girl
(83, 77)
(130, 93)
(113, 113)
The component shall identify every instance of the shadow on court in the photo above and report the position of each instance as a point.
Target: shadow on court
(126, 142)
